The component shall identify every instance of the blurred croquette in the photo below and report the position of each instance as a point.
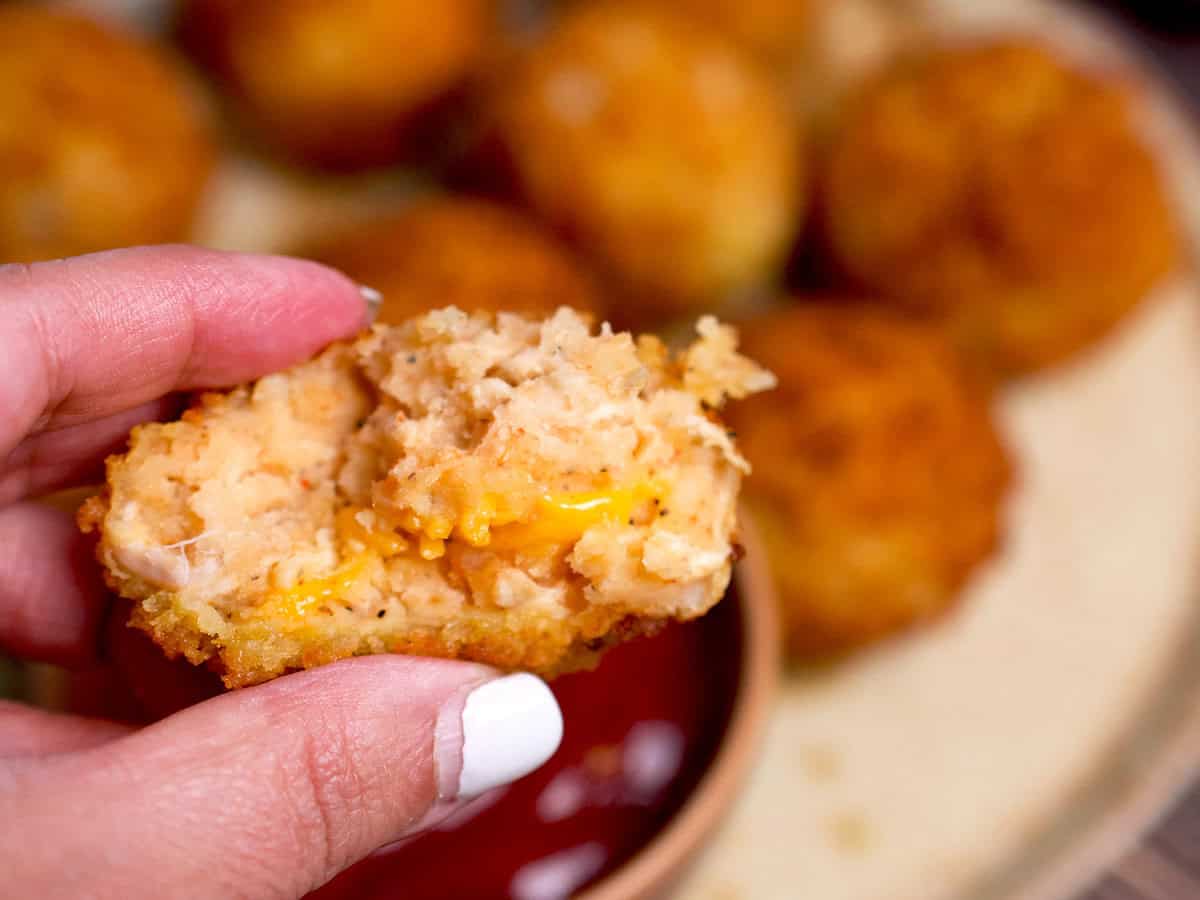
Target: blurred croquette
(339, 83)
(658, 146)
(1001, 191)
(778, 31)
(516, 492)
(102, 142)
(878, 474)
(460, 252)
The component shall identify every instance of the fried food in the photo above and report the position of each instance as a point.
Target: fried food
(339, 83)
(778, 31)
(657, 146)
(458, 252)
(515, 492)
(878, 473)
(102, 142)
(1000, 191)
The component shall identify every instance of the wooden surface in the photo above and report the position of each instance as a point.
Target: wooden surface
(1167, 864)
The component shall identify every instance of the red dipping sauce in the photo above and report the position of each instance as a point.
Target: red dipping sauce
(639, 733)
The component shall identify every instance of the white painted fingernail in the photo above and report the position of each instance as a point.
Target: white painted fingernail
(510, 726)
(374, 300)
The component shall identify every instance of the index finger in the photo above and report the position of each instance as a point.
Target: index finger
(87, 337)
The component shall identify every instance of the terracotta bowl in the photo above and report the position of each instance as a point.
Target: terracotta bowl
(653, 871)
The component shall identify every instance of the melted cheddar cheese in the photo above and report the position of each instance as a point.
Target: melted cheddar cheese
(296, 602)
(563, 518)
(557, 520)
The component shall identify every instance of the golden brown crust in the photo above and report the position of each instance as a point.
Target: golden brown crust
(513, 492)
(460, 252)
(878, 474)
(778, 31)
(659, 147)
(339, 83)
(525, 650)
(102, 142)
(998, 190)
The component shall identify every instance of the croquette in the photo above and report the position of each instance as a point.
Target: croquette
(778, 31)
(878, 473)
(517, 492)
(1004, 193)
(468, 253)
(344, 84)
(103, 143)
(659, 147)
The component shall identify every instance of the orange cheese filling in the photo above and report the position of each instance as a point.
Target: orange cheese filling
(563, 518)
(296, 602)
(557, 520)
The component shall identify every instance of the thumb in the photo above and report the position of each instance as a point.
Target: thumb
(272, 790)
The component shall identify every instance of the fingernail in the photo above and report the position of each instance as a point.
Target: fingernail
(374, 300)
(509, 727)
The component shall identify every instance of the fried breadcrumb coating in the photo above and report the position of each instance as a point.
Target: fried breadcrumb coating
(999, 190)
(878, 473)
(779, 31)
(514, 492)
(472, 254)
(103, 142)
(338, 83)
(659, 147)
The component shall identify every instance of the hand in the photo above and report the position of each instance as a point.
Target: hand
(264, 792)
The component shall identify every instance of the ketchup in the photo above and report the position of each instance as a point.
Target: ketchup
(639, 733)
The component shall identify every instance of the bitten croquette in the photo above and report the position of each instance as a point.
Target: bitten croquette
(1002, 192)
(515, 492)
(878, 474)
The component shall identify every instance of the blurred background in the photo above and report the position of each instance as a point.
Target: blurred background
(960, 245)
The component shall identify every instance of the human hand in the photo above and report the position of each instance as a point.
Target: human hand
(265, 792)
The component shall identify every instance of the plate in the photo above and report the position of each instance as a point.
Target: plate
(1015, 751)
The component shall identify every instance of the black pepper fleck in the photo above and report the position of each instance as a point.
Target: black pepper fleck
(412, 358)
(381, 614)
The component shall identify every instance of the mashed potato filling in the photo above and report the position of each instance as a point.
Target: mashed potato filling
(521, 493)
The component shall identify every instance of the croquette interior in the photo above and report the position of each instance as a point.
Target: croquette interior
(516, 492)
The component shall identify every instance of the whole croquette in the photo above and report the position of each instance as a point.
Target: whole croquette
(659, 147)
(102, 142)
(878, 474)
(778, 31)
(515, 492)
(1001, 191)
(472, 254)
(339, 83)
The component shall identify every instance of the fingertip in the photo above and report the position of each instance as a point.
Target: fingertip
(268, 312)
(98, 334)
(510, 727)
